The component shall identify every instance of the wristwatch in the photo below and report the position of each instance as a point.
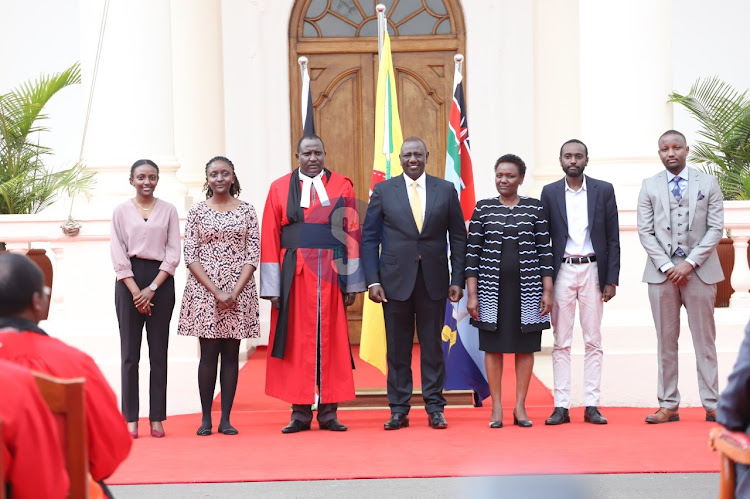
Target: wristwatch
(152, 286)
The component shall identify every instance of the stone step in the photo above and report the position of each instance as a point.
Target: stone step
(377, 398)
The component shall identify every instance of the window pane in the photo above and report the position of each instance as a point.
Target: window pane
(333, 26)
(436, 6)
(344, 17)
(421, 24)
(444, 28)
(316, 8)
(348, 10)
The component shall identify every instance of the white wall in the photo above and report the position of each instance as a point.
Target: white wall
(708, 42)
(628, 58)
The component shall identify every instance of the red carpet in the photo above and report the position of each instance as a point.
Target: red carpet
(467, 448)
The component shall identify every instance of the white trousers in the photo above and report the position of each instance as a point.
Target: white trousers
(577, 282)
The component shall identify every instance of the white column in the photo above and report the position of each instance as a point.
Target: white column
(499, 70)
(737, 223)
(741, 274)
(198, 83)
(626, 78)
(131, 114)
(557, 89)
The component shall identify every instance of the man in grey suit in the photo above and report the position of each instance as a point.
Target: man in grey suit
(409, 218)
(585, 233)
(680, 223)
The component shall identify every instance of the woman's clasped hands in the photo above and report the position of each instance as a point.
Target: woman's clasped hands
(142, 300)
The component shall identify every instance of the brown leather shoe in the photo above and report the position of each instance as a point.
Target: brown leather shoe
(711, 416)
(663, 415)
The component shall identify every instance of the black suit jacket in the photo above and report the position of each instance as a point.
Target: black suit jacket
(604, 225)
(389, 222)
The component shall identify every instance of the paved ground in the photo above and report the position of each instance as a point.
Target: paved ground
(641, 486)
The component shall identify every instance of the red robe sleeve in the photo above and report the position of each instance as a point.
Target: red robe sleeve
(31, 446)
(106, 432)
(271, 256)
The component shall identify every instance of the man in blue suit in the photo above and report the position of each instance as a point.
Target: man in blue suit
(411, 216)
(585, 233)
(734, 408)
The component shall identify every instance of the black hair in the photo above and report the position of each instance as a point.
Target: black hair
(234, 189)
(414, 138)
(574, 141)
(309, 136)
(673, 132)
(20, 278)
(512, 158)
(142, 162)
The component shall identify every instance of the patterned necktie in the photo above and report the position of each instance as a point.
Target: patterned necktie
(416, 206)
(676, 190)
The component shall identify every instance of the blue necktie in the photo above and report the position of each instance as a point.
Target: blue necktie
(676, 190)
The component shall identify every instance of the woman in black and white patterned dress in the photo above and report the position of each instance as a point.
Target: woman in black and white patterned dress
(220, 304)
(509, 282)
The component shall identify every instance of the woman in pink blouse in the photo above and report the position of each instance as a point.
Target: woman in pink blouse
(145, 248)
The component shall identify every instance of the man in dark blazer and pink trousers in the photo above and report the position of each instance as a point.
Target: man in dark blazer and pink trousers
(585, 234)
(414, 217)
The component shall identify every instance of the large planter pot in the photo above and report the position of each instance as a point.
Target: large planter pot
(40, 258)
(724, 289)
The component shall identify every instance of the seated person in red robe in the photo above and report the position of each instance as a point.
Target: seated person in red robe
(32, 457)
(22, 301)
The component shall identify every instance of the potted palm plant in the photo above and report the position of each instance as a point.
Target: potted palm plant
(723, 115)
(27, 185)
(724, 149)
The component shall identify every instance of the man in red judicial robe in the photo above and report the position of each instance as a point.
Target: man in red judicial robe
(22, 303)
(33, 463)
(309, 269)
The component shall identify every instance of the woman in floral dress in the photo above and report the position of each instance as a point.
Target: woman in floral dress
(220, 304)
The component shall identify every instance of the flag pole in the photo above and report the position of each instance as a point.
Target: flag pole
(306, 106)
(302, 61)
(380, 9)
(458, 59)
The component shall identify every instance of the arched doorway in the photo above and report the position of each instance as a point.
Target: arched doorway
(339, 38)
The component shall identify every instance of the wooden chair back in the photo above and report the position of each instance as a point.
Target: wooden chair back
(2, 464)
(66, 398)
(733, 447)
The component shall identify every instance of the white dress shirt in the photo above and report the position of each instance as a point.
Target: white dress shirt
(308, 183)
(577, 209)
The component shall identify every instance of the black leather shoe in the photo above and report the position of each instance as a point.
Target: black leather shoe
(398, 420)
(332, 425)
(295, 426)
(592, 415)
(523, 423)
(559, 416)
(228, 430)
(437, 421)
(496, 424)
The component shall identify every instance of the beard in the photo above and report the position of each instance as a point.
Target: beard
(574, 173)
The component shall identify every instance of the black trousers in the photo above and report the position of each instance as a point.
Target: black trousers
(399, 333)
(157, 334)
(304, 413)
